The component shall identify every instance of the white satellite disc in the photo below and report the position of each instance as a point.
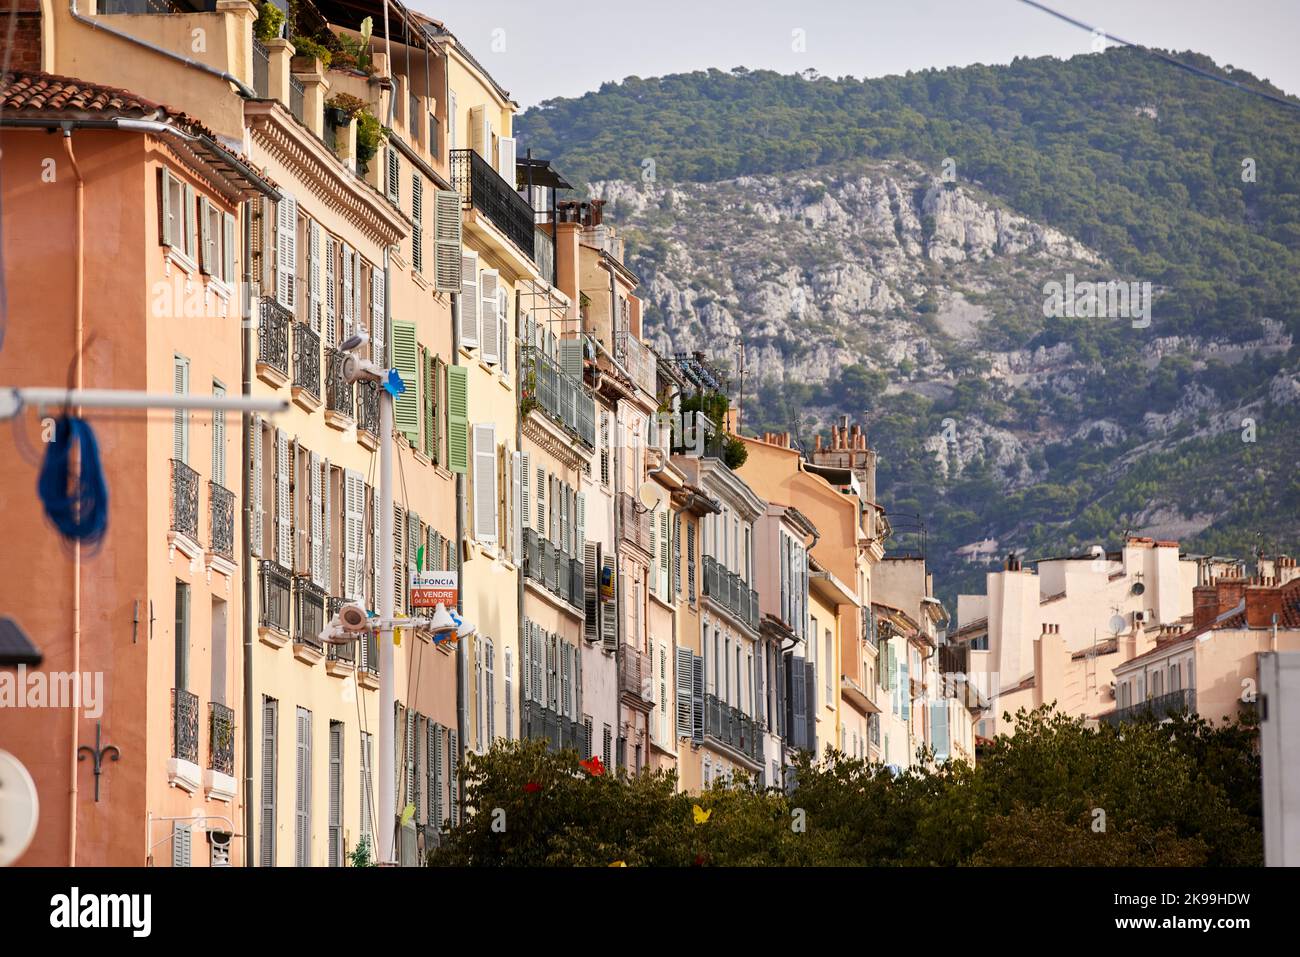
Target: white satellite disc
(651, 495)
(19, 809)
(1117, 624)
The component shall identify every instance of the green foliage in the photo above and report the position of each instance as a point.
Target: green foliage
(270, 19)
(353, 52)
(360, 856)
(369, 130)
(306, 46)
(1183, 793)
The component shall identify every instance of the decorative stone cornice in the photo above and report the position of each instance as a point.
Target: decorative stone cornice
(551, 439)
(275, 130)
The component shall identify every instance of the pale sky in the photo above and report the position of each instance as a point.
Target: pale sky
(538, 49)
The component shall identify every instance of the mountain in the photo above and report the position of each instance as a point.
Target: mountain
(885, 249)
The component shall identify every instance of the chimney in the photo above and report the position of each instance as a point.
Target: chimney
(1012, 564)
(1261, 605)
(1205, 605)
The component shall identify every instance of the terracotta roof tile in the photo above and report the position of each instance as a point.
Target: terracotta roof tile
(36, 92)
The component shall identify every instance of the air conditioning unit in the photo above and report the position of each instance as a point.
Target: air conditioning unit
(1139, 617)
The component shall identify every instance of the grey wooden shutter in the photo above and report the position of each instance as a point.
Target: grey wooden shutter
(286, 251)
(313, 278)
(609, 608)
(331, 293)
(181, 417)
(796, 695)
(302, 830)
(255, 482)
(685, 686)
(315, 524)
(169, 230)
(378, 333)
(283, 532)
(417, 220)
(453, 774)
(182, 844)
(205, 237)
(810, 698)
(270, 709)
(336, 795)
(228, 248)
(447, 234)
(469, 300)
(367, 791)
(591, 590)
(408, 746)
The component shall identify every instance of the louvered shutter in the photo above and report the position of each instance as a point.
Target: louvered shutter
(354, 506)
(438, 763)
(796, 702)
(437, 375)
(697, 699)
(168, 215)
(413, 525)
(571, 358)
(426, 399)
(506, 152)
(489, 324)
(255, 482)
(218, 440)
(283, 531)
(447, 230)
(485, 484)
(690, 562)
(182, 845)
(525, 491)
(331, 293)
(314, 509)
(541, 502)
(469, 300)
(313, 276)
(228, 248)
(394, 183)
(399, 557)
(181, 417)
(327, 532)
(453, 768)
(406, 407)
(336, 794)
(591, 590)
(810, 702)
(539, 666)
(367, 789)
(675, 586)
(417, 220)
(286, 251)
(516, 505)
(302, 816)
(509, 694)
(358, 289)
(685, 677)
(458, 419)
(188, 219)
(266, 857)
(526, 671)
(580, 533)
(608, 610)
(480, 137)
(408, 740)
(346, 264)
(378, 333)
(205, 237)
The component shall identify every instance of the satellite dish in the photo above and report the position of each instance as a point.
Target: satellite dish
(1138, 588)
(1117, 624)
(651, 495)
(19, 809)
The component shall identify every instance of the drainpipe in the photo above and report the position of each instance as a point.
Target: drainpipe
(523, 479)
(79, 330)
(462, 706)
(162, 51)
(246, 390)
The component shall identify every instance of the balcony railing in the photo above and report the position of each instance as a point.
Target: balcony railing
(367, 652)
(185, 500)
(296, 98)
(730, 726)
(634, 524)
(221, 738)
(635, 675)
(565, 400)
(185, 726)
(261, 69)
(308, 612)
(729, 590)
(367, 397)
(306, 359)
(1157, 708)
(544, 255)
(637, 359)
(541, 723)
(483, 188)
(277, 590)
(221, 513)
(339, 394)
(273, 335)
(553, 568)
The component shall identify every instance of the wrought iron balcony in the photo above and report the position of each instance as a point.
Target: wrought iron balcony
(339, 394)
(568, 402)
(635, 676)
(277, 589)
(544, 255)
(221, 738)
(185, 725)
(273, 323)
(637, 359)
(482, 187)
(261, 69)
(367, 652)
(367, 399)
(634, 524)
(1155, 709)
(185, 500)
(730, 726)
(306, 359)
(538, 722)
(296, 98)
(729, 590)
(308, 612)
(221, 512)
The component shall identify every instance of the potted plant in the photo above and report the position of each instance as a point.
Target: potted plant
(269, 23)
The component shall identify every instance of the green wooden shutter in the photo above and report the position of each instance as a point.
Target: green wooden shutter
(436, 385)
(406, 409)
(430, 406)
(458, 419)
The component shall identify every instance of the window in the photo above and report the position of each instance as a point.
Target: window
(336, 795)
(182, 636)
(828, 667)
(302, 823)
(267, 823)
(417, 222)
(367, 791)
(478, 694)
(218, 438)
(605, 745)
(216, 241)
(489, 652)
(451, 122)
(181, 417)
(509, 695)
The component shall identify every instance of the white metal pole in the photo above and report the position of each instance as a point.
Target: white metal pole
(13, 399)
(387, 811)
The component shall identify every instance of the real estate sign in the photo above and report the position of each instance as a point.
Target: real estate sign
(431, 589)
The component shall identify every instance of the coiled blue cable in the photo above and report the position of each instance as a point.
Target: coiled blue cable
(78, 506)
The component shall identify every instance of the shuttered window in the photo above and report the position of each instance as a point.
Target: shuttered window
(302, 822)
(406, 407)
(489, 320)
(485, 484)
(182, 845)
(331, 292)
(206, 251)
(286, 251)
(458, 419)
(378, 321)
(468, 301)
(368, 791)
(283, 529)
(354, 507)
(336, 794)
(181, 417)
(171, 202)
(190, 234)
(509, 694)
(228, 247)
(219, 438)
(270, 716)
(447, 232)
(417, 220)
(313, 277)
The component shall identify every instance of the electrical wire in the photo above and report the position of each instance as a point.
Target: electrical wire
(1171, 60)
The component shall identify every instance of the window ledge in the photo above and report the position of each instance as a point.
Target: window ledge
(308, 654)
(368, 680)
(184, 262)
(272, 376)
(184, 775)
(338, 667)
(272, 636)
(219, 786)
(341, 422)
(304, 399)
(187, 546)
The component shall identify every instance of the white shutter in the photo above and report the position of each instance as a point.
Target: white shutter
(488, 321)
(188, 193)
(255, 482)
(205, 237)
(218, 440)
(506, 151)
(283, 540)
(541, 501)
(228, 248)
(354, 509)
(447, 235)
(485, 483)
(580, 532)
(314, 511)
(331, 295)
(374, 545)
(469, 301)
(348, 317)
(417, 222)
(313, 279)
(479, 132)
(181, 417)
(663, 554)
(516, 508)
(378, 334)
(286, 250)
(356, 288)
(327, 521)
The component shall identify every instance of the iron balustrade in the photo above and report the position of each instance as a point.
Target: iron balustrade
(309, 611)
(553, 568)
(277, 588)
(339, 396)
(565, 400)
(540, 723)
(729, 590)
(1158, 708)
(296, 98)
(367, 400)
(185, 725)
(221, 738)
(730, 726)
(336, 652)
(221, 512)
(185, 500)
(261, 69)
(273, 335)
(368, 652)
(306, 359)
(635, 676)
(482, 187)
(637, 359)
